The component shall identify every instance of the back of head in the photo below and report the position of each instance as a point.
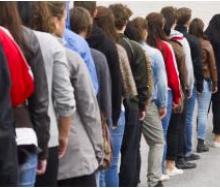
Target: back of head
(136, 28)
(88, 5)
(170, 15)
(122, 14)
(213, 30)
(196, 28)
(106, 20)
(183, 16)
(80, 20)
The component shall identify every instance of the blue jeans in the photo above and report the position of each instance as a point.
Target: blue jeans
(203, 105)
(109, 177)
(189, 109)
(165, 124)
(27, 171)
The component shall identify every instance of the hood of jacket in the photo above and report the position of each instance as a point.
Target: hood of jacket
(174, 34)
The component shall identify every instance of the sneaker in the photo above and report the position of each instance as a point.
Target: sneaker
(159, 184)
(164, 177)
(202, 148)
(216, 144)
(174, 172)
(192, 157)
(183, 164)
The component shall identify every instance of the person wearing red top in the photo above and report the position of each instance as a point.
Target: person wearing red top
(157, 38)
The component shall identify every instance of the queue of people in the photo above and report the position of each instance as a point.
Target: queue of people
(81, 85)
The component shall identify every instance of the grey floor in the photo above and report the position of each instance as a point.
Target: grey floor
(207, 174)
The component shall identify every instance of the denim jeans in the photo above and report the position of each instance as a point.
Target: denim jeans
(165, 124)
(27, 171)
(189, 109)
(203, 106)
(110, 177)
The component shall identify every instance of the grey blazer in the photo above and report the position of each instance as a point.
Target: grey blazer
(85, 150)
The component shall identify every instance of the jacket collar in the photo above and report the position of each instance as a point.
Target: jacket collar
(181, 28)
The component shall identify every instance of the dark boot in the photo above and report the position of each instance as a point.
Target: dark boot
(202, 147)
(159, 184)
(181, 163)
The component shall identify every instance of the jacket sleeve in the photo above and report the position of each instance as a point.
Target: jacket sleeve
(161, 81)
(39, 101)
(172, 73)
(63, 93)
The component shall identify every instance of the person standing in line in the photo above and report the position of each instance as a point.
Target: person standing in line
(137, 29)
(61, 97)
(213, 34)
(210, 84)
(158, 39)
(185, 146)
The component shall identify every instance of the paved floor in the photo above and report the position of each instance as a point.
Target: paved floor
(207, 174)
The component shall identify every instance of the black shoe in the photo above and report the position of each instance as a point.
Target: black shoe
(159, 184)
(202, 147)
(192, 157)
(182, 164)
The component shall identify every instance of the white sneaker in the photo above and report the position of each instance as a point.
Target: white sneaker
(174, 172)
(164, 177)
(216, 144)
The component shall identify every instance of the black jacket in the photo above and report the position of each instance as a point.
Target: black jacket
(137, 59)
(101, 42)
(196, 53)
(8, 150)
(39, 101)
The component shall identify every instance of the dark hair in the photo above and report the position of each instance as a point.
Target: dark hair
(183, 15)
(88, 5)
(121, 13)
(155, 28)
(135, 29)
(80, 20)
(106, 20)
(35, 15)
(196, 28)
(170, 15)
(213, 30)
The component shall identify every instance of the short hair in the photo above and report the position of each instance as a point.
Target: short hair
(80, 20)
(135, 29)
(196, 28)
(183, 15)
(88, 5)
(121, 13)
(170, 15)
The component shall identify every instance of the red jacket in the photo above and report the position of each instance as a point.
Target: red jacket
(171, 68)
(22, 85)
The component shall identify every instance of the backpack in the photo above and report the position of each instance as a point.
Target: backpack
(22, 81)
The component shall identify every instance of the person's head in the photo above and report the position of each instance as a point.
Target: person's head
(184, 16)
(105, 20)
(34, 15)
(80, 21)
(196, 28)
(155, 28)
(137, 29)
(88, 5)
(170, 15)
(213, 30)
(10, 19)
(122, 14)
(57, 10)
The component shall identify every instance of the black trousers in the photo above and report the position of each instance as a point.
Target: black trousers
(49, 179)
(174, 136)
(130, 153)
(83, 181)
(216, 113)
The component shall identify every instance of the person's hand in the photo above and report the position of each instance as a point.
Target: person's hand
(162, 112)
(177, 107)
(41, 167)
(142, 115)
(63, 143)
(214, 90)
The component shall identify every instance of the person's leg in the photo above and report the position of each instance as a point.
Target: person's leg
(165, 124)
(82, 181)
(188, 113)
(130, 144)
(153, 133)
(216, 116)
(102, 178)
(111, 174)
(27, 170)
(49, 179)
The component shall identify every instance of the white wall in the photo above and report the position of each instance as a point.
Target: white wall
(201, 9)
